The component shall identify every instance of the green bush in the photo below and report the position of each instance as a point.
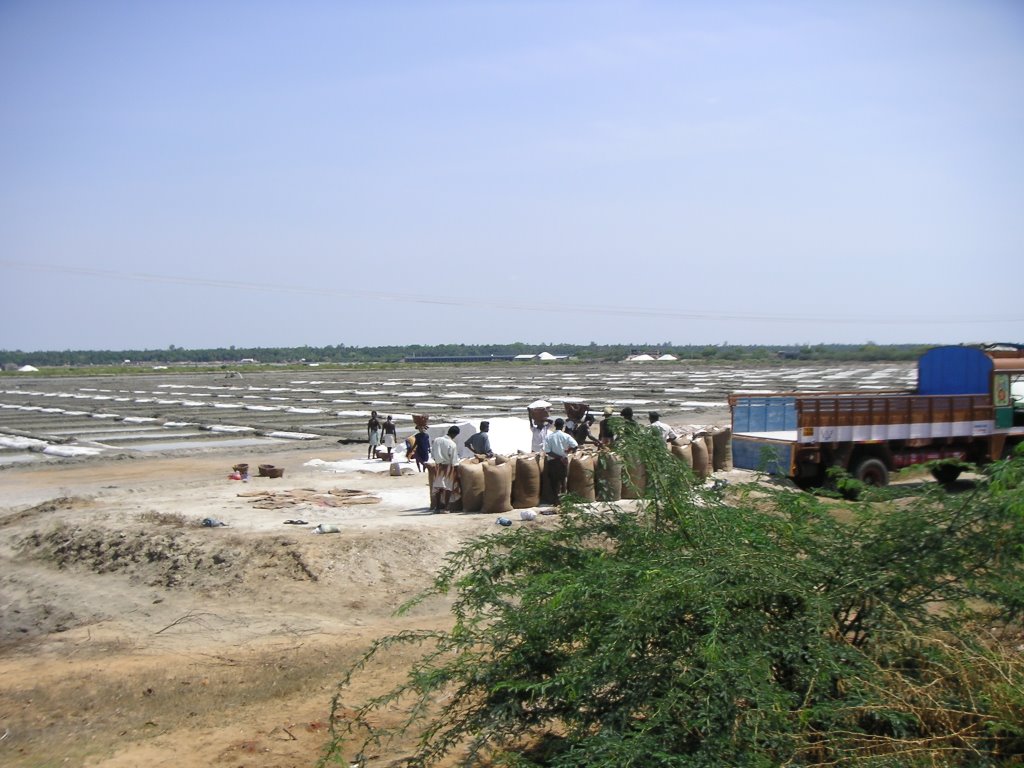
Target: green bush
(746, 627)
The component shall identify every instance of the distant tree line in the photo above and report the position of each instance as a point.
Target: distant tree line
(341, 353)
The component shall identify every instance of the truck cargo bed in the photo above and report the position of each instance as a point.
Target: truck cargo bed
(864, 418)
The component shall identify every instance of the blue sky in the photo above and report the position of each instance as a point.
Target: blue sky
(275, 174)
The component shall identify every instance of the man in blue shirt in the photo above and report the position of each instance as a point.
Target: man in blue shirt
(480, 443)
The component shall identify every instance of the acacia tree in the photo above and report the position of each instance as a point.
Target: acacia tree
(754, 626)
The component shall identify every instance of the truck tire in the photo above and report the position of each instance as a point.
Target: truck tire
(871, 471)
(810, 476)
(946, 473)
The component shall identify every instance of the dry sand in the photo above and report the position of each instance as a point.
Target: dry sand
(130, 635)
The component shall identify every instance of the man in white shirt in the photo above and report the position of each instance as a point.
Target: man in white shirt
(666, 431)
(538, 430)
(558, 445)
(445, 454)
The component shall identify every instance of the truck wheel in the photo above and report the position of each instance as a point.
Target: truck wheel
(871, 471)
(946, 473)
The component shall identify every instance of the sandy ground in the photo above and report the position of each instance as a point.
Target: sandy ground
(130, 635)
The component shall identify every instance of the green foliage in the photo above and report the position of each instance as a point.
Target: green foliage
(755, 628)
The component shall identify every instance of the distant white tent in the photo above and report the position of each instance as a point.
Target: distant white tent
(28, 369)
(668, 357)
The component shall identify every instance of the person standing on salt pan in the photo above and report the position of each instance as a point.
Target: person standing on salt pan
(558, 445)
(445, 453)
(422, 448)
(372, 435)
(390, 434)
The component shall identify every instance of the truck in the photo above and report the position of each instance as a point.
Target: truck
(968, 407)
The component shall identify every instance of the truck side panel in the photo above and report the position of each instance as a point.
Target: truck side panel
(763, 454)
(863, 418)
(771, 413)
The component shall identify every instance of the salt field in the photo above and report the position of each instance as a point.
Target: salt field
(48, 419)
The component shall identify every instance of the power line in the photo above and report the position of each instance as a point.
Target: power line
(561, 308)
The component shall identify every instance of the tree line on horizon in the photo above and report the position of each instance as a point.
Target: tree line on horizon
(341, 353)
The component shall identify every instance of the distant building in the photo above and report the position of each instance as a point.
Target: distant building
(458, 359)
(541, 356)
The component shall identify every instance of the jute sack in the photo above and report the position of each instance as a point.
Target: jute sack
(547, 493)
(608, 477)
(701, 465)
(510, 460)
(581, 477)
(497, 488)
(709, 441)
(526, 483)
(684, 453)
(576, 411)
(634, 480)
(721, 458)
(471, 475)
(431, 474)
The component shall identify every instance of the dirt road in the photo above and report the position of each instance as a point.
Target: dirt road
(132, 635)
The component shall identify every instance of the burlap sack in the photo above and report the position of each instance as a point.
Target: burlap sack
(701, 460)
(539, 415)
(634, 480)
(510, 460)
(721, 457)
(420, 420)
(526, 483)
(431, 474)
(547, 493)
(581, 477)
(684, 453)
(497, 488)
(471, 475)
(709, 441)
(608, 477)
(576, 411)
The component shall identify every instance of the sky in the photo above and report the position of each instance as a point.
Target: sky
(207, 174)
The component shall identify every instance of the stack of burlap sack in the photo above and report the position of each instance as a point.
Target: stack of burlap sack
(704, 449)
(503, 483)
